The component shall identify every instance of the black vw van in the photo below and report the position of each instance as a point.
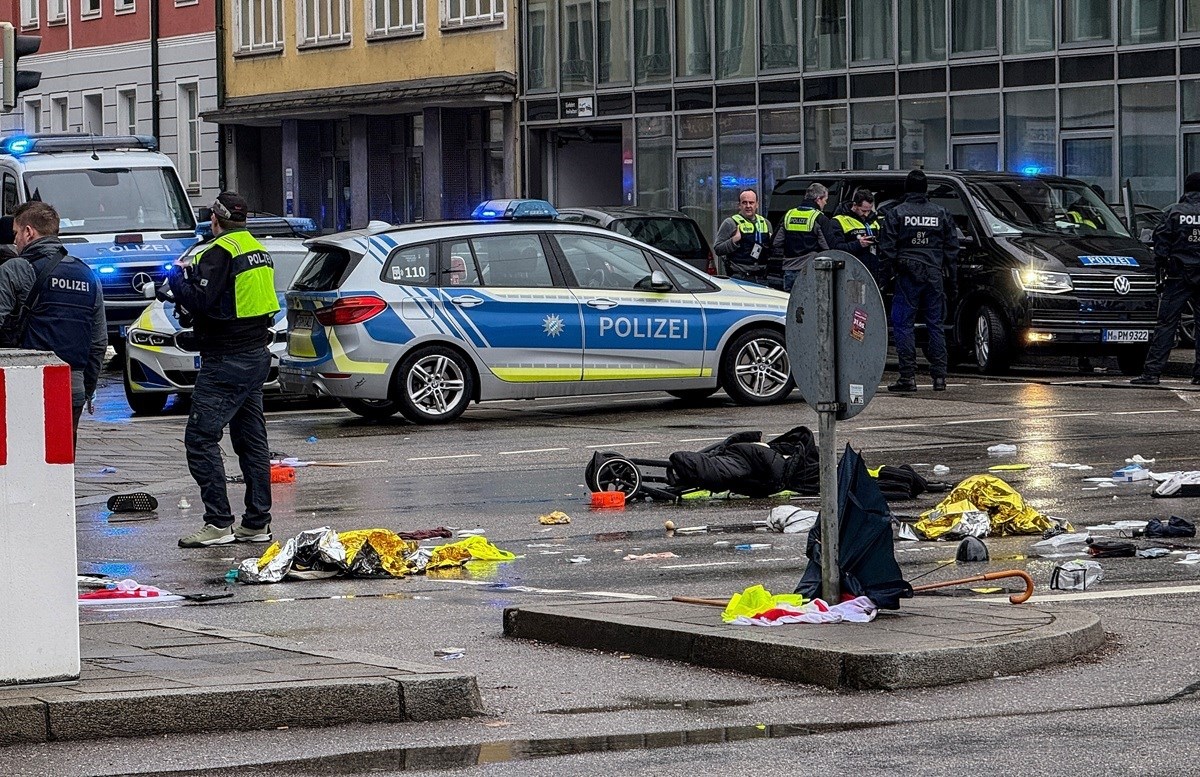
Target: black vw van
(1045, 266)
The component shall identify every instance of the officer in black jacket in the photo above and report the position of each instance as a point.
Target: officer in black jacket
(920, 247)
(1177, 258)
(67, 316)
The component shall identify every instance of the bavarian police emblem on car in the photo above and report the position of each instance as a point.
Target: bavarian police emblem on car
(1126, 335)
(1109, 261)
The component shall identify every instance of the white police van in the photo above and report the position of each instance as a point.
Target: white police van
(122, 207)
(423, 319)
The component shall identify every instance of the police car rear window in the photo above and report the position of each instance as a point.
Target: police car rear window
(326, 269)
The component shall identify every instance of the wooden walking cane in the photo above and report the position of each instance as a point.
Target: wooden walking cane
(1005, 573)
(694, 600)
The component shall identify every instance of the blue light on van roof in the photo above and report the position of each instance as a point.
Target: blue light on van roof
(1031, 170)
(513, 210)
(18, 145)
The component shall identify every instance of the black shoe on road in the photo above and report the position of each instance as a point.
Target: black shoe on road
(903, 385)
(939, 384)
(1148, 380)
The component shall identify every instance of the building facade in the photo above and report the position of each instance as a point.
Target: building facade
(681, 103)
(118, 67)
(345, 111)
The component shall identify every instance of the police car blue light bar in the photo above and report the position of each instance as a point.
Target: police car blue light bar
(75, 141)
(514, 210)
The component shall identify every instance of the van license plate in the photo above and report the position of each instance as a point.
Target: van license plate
(1126, 335)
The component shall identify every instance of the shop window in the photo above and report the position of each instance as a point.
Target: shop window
(736, 36)
(257, 26)
(779, 44)
(464, 13)
(977, 156)
(651, 41)
(922, 30)
(923, 134)
(871, 31)
(541, 45)
(1147, 21)
(1030, 134)
(1087, 21)
(775, 167)
(612, 41)
(1028, 26)
(737, 159)
(396, 17)
(779, 125)
(824, 138)
(1087, 107)
(1090, 160)
(975, 114)
(693, 40)
(973, 26)
(824, 34)
(694, 130)
(324, 21)
(654, 162)
(1148, 141)
(873, 121)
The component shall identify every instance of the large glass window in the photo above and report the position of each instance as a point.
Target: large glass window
(977, 156)
(324, 22)
(612, 36)
(873, 121)
(779, 42)
(779, 125)
(922, 30)
(737, 162)
(1089, 160)
(1030, 134)
(694, 130)
(1028, 26)
(1191, 151)
(923, 134)
(1191, 100)
(972, 26)
(693, 37)
(1148, 140)
(1087, 107)
(654, 162)
(577, 37)
(1191, 16)
(396, 17)
(696, 190)
(824, 138)
(651, 40)
(1147, 21)
(871, 31)
(874, 158)
(736, 50)
(257, 25)
(824, 34)
(541, 53)
(975, 114)
(775, 167)
(1087, 21)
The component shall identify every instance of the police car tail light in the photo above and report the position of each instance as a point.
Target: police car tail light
(350, 310)
(1042, 281)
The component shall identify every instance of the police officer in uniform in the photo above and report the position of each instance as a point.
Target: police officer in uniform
(743, 240)
(855, 230)
(229, 290)
(919, 245)
(67, 316)
(803, 233)
(1177, 256)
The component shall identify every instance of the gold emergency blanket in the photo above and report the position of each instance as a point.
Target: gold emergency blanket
(1006, 511)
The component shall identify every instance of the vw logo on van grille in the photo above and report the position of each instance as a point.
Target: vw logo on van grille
(142, 278)
(1121, 284)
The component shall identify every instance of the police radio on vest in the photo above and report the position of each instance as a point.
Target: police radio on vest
(922, 221)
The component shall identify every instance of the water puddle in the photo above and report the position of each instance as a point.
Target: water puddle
(656, 704)
(464, 756)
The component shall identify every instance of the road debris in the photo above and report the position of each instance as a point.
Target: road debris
(555, 518)
(940, 469)
(1003, 511)
(137, 502)
(649, 556)
(789, 519)
(578, 560)
(1153, 552)
(1077, 575)
(450, 653)
(1001, 449)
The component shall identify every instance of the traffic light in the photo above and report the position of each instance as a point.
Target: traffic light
(17, 81)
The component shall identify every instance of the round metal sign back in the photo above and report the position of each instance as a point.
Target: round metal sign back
(860, 333)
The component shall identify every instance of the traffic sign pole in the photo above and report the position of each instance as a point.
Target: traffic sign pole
(826, 405)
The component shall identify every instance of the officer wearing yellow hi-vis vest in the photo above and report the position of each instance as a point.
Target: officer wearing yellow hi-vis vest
(229, 289)
(744, 240)
(856, 228)
(803, 232)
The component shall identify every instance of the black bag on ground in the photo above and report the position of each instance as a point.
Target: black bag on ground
(1106, 548)
(901, 483)
(866, 550)
(1174, 527)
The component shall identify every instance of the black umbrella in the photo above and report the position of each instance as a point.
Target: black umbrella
(866, 550)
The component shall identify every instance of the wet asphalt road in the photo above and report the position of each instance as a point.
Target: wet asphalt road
(507, 462)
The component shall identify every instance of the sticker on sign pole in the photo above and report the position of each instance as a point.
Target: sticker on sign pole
(856, 394)
(858, 326)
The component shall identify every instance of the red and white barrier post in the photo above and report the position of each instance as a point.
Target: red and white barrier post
(39, 615)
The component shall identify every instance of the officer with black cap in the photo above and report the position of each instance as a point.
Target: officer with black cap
(919, 246)
(228, 287)
(1177, 258)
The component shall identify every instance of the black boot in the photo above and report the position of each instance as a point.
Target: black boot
(1146, 380)
(903, 385)
(939, 384)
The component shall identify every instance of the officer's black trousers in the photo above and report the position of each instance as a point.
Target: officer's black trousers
(1175, 296)
(922, 293)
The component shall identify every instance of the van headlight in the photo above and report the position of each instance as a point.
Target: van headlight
(1042, 281)
(153, 339)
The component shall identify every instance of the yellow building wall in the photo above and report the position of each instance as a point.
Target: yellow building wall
(432, 55)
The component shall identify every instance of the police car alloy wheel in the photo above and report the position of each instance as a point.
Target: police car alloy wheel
(755, 369)
(435, 385)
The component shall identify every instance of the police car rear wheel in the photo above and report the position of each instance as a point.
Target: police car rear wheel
(755, 369)
(435, 385)
(993, 346)
(372, 409)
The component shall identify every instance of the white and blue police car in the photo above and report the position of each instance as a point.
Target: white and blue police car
(423, 319)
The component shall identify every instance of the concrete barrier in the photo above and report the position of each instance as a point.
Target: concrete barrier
(39, 616)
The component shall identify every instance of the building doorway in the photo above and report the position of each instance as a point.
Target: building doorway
(586, 166)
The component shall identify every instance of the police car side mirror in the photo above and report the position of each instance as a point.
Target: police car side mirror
(148, 290)
(660, 282)
(1147, 235)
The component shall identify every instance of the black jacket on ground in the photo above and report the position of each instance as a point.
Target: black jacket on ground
(206, 291)
(918, 234)
(1177, 238)
(744, 465)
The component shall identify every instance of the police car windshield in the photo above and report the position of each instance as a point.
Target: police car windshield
(1035, 205)
(113, 199)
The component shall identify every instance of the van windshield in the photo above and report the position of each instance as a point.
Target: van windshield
(113, 199)
(1025, 205)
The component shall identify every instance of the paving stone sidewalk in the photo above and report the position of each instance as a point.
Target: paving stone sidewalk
(141, 678)
(929, 641)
